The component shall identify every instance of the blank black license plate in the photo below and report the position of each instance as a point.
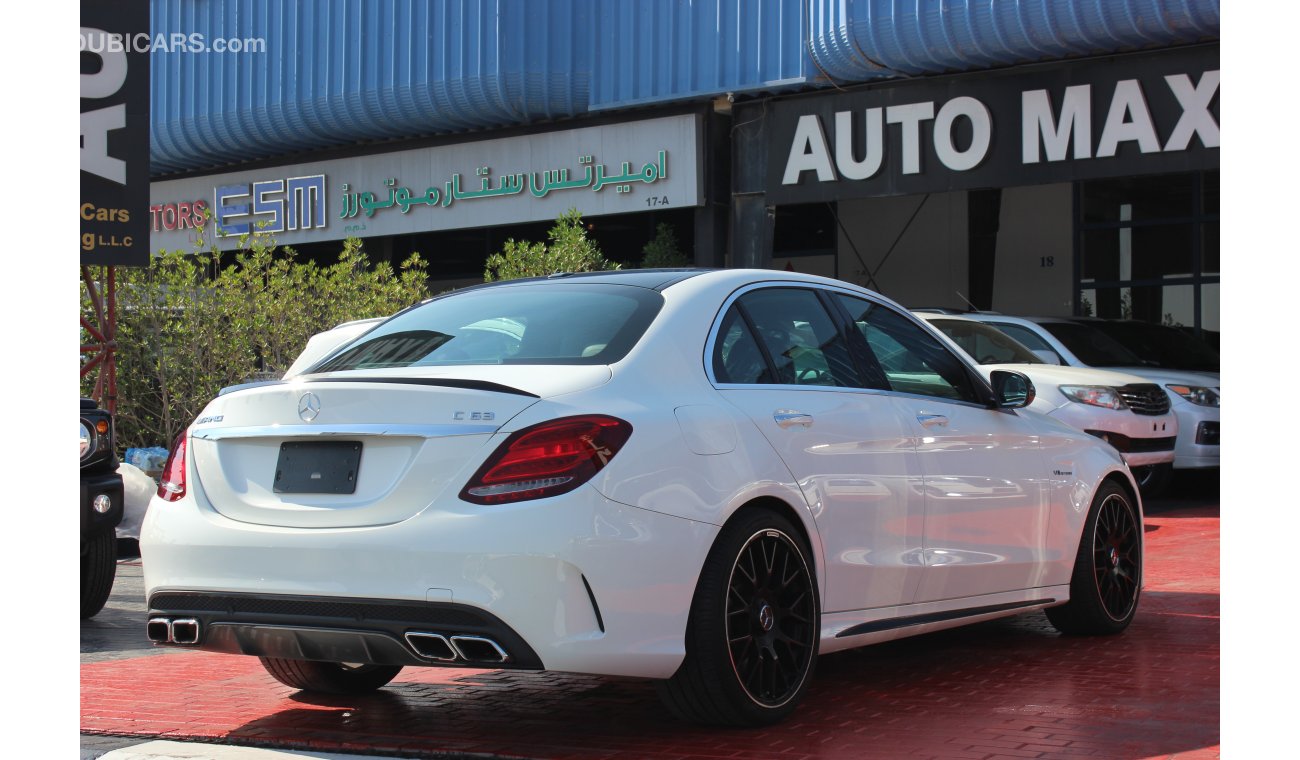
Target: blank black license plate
(318, 467)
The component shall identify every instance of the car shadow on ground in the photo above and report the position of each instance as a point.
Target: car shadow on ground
(1153, 691)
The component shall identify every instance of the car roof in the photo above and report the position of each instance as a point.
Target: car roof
(931, 315)
(991, 316)
(651, 279)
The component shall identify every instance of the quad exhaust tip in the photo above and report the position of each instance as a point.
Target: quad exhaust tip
(433, 646)
(479, 649)
(476, 649)
(161, 630)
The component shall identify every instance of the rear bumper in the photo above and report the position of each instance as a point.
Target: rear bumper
(338, 629)
(107, 484)
(577, 582)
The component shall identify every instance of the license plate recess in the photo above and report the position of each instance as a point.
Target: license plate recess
(318, 467)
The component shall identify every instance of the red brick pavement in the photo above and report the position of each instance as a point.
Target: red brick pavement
(1005, 689)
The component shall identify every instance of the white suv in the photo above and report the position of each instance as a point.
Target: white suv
(1130, 413)
(1194, 396)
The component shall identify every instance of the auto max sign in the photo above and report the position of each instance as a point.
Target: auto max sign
(1117, 116)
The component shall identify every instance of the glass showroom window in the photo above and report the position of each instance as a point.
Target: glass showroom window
(1148, 248)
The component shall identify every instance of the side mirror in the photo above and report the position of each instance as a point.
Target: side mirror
(1047, 355)
(1011, 390)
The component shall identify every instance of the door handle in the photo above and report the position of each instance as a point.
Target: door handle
(787, 418)
(932, 420)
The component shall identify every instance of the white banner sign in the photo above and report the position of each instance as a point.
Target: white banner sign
(611, 169)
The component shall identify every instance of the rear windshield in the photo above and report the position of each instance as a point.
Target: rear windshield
(537, 323)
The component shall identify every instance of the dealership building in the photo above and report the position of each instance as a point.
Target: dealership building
(1038, 157)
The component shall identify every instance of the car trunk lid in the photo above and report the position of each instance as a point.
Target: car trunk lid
(360, 448)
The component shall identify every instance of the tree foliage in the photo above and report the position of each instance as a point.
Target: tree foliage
(662, 251)
(568, 250)
(193, 323)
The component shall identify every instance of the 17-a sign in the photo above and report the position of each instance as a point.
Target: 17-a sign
(114, 204)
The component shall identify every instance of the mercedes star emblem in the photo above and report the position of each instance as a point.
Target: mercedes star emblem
(308, 407)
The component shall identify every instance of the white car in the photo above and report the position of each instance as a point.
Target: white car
(323, 344)
(701, 477)
(1194, 396)
(1126, 411)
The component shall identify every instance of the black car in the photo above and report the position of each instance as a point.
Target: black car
(101, 507)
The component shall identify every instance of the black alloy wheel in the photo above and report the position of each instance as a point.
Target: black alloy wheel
(1107, 579)
(754, 629)
(1116, 548)
(770, 616)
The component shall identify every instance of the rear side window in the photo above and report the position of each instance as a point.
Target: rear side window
(736, 356)
(539, 323)
(782, 336)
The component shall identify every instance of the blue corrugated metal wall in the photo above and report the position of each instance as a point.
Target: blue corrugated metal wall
(654, 50)
(341, 71)
(855, 40)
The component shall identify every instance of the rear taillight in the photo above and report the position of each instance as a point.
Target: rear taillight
(171, 486)
(547, 459)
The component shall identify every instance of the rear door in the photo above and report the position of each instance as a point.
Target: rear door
(780, 356)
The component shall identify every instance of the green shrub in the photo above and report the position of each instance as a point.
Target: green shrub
(193, 323)
(662, 252)
(569, 250)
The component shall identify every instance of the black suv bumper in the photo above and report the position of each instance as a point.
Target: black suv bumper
(108, 484)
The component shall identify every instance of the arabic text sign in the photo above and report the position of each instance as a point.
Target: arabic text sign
(609, 169)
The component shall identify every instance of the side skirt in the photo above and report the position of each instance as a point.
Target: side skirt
(846, 630)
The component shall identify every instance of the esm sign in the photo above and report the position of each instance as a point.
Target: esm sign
(1110, 117)
(114, 207)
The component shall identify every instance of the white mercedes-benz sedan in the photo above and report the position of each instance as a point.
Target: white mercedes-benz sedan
(703, 477)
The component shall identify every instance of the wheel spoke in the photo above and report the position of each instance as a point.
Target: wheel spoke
(1115, 562)
(770, 614)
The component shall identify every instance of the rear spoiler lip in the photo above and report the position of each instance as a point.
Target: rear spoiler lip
(444, 382)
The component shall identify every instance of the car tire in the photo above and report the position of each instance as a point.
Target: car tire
(98, 569)
(1153, 479)
(1107, 578)
(329, 677)
(755, 610)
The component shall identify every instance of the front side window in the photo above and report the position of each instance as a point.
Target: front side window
(542, 323)
(912, 360)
